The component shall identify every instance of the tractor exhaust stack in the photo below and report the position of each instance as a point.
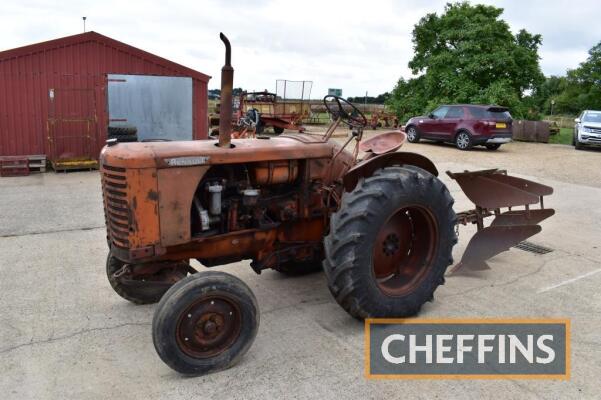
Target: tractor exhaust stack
(227, 85)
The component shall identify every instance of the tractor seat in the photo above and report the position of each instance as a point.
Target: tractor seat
(384, 142)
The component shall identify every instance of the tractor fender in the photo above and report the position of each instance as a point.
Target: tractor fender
(368, 167)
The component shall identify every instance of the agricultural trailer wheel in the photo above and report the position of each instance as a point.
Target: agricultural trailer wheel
(277, 130)
(412, 134)
(390, 243)
(142, 290)
(205, 323)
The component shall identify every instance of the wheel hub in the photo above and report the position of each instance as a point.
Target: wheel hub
(391, 244)
(209, 326)
(404, 249)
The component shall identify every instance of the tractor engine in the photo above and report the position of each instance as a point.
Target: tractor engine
(252, 196)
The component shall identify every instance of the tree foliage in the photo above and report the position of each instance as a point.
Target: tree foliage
(469, 55)
(379, 99)
(579, 90)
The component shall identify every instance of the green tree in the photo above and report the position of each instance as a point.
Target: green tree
(469, 55)
(548, 91)
(582, 90)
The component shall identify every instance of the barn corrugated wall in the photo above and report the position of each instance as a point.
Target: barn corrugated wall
(53, 94)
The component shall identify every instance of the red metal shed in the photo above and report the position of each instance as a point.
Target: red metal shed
(53, 95)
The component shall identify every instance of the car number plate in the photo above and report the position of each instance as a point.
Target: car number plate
(501, 125)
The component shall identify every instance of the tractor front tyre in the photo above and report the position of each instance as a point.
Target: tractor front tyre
(205, 323)
(390, 243)
(143, 289)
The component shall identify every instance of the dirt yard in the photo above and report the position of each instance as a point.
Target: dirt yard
(65, 334)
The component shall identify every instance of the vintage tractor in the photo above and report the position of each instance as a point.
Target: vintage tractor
(382, 227)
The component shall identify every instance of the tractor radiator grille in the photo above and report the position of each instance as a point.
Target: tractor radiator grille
(116, 208)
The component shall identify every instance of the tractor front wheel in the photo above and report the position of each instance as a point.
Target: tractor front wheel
(142, 289)
(390, 243)
(205, 323)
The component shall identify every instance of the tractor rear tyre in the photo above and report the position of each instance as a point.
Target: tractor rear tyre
(390, 243)
(142, 290)
(205, 323)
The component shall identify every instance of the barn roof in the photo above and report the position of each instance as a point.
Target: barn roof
(107, 41)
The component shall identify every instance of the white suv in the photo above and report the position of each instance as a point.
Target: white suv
(587, 130)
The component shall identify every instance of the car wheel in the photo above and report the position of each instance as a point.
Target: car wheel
(463, 140)
(412, 134)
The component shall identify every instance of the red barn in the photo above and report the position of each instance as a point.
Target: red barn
(58, 98)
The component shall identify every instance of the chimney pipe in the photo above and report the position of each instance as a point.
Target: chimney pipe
(227, 84)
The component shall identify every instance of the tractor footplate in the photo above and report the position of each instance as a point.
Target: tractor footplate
(492, 190)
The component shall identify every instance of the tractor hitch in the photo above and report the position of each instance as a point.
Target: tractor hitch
(492, 190)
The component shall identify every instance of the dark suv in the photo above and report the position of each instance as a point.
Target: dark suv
(466, 125)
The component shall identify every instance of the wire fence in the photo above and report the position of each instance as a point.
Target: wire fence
(562, 121)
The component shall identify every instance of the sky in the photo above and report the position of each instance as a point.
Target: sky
(358, 46)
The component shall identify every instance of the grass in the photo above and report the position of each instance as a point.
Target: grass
(563, 137)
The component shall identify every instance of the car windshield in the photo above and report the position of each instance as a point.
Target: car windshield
(592, 117)
(483, 113)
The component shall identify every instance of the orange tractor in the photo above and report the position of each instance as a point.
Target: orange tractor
(382, 226)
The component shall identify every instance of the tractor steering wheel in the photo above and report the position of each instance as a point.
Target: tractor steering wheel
(354, 118)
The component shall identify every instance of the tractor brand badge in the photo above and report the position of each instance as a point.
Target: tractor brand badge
(187, 161)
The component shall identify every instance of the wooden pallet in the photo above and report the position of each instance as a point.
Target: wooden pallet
(22, 165)
(37, 162)
(15, 166)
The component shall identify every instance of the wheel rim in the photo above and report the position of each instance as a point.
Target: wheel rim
(404, 250)
(462, 140)
(411, 134)
(209, 326)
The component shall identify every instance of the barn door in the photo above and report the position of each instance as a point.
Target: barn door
(159, 107)
(71, 124)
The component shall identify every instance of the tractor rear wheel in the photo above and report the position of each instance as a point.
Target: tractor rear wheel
(390, 243)
(205, 323)
(143, 289)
